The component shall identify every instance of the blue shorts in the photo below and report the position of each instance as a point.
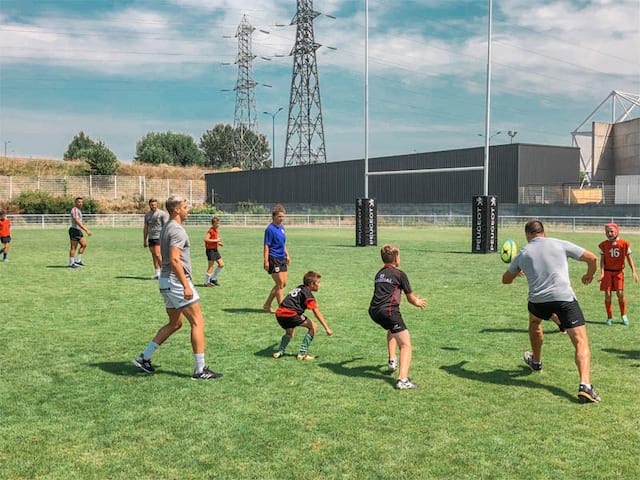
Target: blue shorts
(5, 239)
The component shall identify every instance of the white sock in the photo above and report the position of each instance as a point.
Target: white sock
(207, 277)
(158, 272)
(588, 385)
(149, 350)
(215, 273)
(79, 258)
(199, 359)
(71, 261)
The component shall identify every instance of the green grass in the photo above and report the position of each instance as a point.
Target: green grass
(73, 407)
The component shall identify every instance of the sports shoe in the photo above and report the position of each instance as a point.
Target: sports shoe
(156, 277)
(528, 359)
(609, 322)
(205, 374)
(625, 320)
(144, 365)
(393, 365)
(80, 264)
(306, 356)
(277, 355)
(406, 384)
(207, 285)
(213, 281)
(74, 265)
(588, 394)
(5, 259)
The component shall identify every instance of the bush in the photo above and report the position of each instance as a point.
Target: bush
(170, 148)
(101, 160)
(79, 147)
(40, 202)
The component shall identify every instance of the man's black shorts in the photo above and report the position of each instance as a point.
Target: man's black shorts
(291, 322)
(277, 265)
(569, 313)
(75, 234)
(153, 242)
(393, 323)
(5, 239)
(213, 254)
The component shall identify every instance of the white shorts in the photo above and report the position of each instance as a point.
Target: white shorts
(172, 293)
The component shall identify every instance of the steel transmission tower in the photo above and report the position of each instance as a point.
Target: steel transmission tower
(305, 132)
(245, 118)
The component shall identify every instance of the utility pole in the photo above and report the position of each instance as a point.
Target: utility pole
(273, 135)
(305, 130)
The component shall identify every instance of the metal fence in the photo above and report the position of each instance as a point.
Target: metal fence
(571, 223)
(573, 195)
(106, 187)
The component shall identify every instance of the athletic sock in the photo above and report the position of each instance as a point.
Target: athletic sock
(284, 341)
(588, 385)
(199, 360)
(609, 308)
(207, 277)
(79, 258)
(4, 256)
(306, 341)
(623, 306)
(149, 350)
(71, 261)
(158, 272)
(215, 273)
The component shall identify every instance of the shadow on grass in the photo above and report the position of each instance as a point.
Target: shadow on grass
(245, 310)
(624, 354)
(128, 369)
(515, 330)
(267, 352)
(61, 266)
(505, 377)
(132, 277)
(365, 371)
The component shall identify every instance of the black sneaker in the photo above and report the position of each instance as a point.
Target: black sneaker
(144, 365)
(80, 264)
(528, 359)
(588, 394)
(213, 281)
(206, 374)
(74, 265)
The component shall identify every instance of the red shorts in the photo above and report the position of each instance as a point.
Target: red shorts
(612, 281)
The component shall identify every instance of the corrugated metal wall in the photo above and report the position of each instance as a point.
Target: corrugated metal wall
(342, 182)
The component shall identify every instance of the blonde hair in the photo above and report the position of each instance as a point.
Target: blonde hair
(388, 253)
(173, 202)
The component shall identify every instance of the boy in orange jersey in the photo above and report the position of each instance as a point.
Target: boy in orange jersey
(211, 243)
(613, 252)
(5, 234)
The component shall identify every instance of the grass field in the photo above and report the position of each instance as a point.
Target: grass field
(72, 406)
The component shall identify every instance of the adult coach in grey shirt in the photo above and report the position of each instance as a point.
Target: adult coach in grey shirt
(154, 220)
(544, 262)
(177, 290)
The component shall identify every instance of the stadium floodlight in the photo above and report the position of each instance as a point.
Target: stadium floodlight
(273, 134)
(512, 133)
(7, 142)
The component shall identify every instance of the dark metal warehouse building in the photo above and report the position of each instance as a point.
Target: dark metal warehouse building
(510, 167)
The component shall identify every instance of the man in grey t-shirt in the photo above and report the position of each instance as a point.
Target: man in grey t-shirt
(177, 290)
(154, 220)
(544, 262)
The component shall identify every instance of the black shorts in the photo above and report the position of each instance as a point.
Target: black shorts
(75, 234)
(393, 323)
(152, 242)
(569, 313)
(277, 265)
(212, 254)
(291, 322)
(5, 239)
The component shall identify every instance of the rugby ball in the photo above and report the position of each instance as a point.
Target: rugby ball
(508, 251)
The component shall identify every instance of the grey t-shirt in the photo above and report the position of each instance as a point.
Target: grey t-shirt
(154, 222)
(174, 235)
(75, 213)
(544, 262)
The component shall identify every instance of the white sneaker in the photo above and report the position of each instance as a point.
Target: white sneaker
(406, 384)
(393, 364)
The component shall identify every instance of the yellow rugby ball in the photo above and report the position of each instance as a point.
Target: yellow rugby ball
(508, 251)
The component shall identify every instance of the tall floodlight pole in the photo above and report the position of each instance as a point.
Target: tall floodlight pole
(273, 135)
(7, 142)
(366, 98)
(487, 119)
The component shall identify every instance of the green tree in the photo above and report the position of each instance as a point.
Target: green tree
(101, 160)
(226, 146)
(79, 147)
(171, 148)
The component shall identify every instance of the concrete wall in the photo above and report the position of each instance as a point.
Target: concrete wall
(626, 147)
(602, 152)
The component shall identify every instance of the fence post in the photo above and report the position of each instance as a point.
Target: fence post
(10, 188)
(42, 221)
(144, 188)
(190, 192)
(115, 187)
(168, 189)
(90, 186)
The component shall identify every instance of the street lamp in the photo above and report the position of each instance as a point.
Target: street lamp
(494, 135)
(273, 135)
(7, 142)
(512, 133)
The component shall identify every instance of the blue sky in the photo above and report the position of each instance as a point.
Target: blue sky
(119, 69)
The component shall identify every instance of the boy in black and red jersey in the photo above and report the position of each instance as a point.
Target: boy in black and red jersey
(389, 284)
(290, 315)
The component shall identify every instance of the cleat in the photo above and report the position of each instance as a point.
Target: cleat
(80, 264)
(206, 374)
(406, 384)
(144, 365)
(305, 357)
(155, 277)
(588, 394)
(277, 355)
(609, 322)
(74, 265)
(214, 282)
(625, 320)
(206, 285)
(533, 365)
(392, 365)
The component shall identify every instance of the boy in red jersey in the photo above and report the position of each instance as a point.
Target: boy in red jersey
(5, 234)
(211, 243)
(613, 252)
(290, 315)
(389, 284)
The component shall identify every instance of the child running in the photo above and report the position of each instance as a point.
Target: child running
(389, 284)
(211, 243)
(613, 252)
(290, 315)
